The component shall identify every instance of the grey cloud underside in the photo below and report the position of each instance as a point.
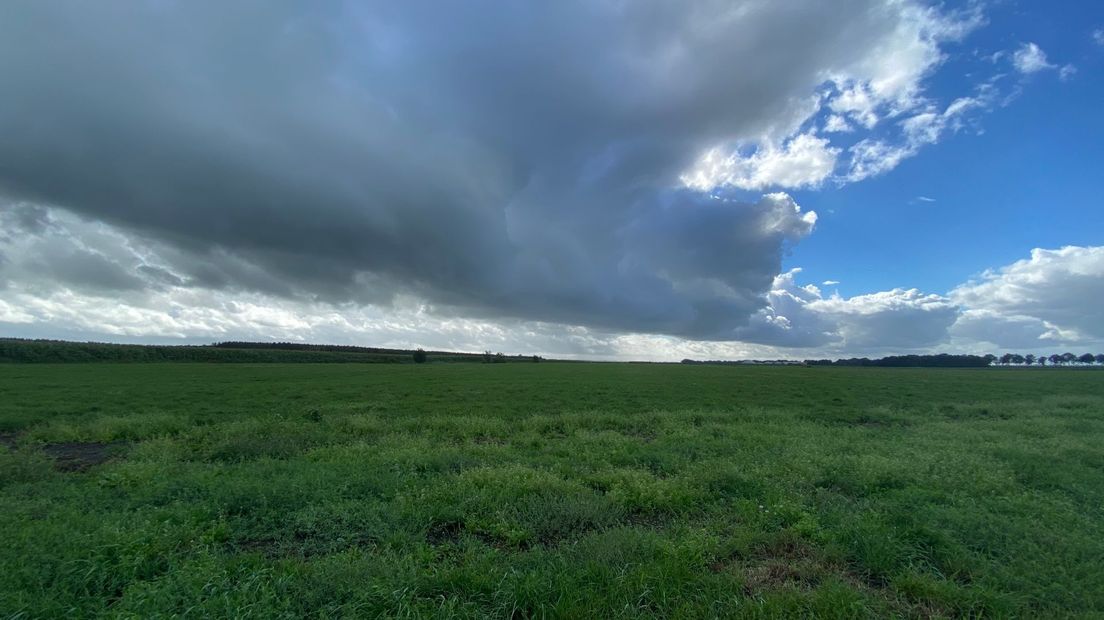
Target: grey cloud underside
(1017, 332)
(1052, 297)
(889, 321)
(69, 277)
(503, 160)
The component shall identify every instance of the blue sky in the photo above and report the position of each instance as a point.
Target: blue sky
(646, 180)
(1027, 175)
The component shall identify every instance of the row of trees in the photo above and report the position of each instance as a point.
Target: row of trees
(421, 356)
(16, 350)
(502, 358)
(941, 360)
(1056, 359)
(56, 351)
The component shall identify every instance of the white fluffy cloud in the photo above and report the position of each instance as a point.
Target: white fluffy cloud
(1030, 58)
(990, 328)
(1053, 296)
(837, 124)
(1051, 300)
(896, 320)
(886, 84)
(872, 157)
(802, 161)
(800, 316)
(882, 98)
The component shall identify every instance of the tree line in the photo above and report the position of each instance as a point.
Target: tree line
(18, 350)
(939, 360)
(1055, 359)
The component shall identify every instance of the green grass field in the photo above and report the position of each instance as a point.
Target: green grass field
(549, 490)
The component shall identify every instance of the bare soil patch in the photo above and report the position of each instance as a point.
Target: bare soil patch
(80, 455)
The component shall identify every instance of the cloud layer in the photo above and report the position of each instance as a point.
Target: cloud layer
(570, 177)
(525, 166)
(63, 276)
(1053, 297)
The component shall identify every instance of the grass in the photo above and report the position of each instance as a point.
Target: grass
(549, 490)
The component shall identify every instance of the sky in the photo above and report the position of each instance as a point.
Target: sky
(590, 179)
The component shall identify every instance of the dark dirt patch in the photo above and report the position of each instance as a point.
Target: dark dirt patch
(452, 532)
(972, 412)
(783, 564)
(773, 574)
(444, 532)
(79, 456)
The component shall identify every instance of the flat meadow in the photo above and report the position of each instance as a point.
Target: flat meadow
(561, 490)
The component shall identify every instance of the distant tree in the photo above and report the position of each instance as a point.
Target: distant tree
(1087, 358)
(420, 356)
(1055, 359)
(536, 358)
(488, 357)
(1018, 359)
(1006, 359)
(989, 359)
(1068, 358)
(1042, 360)
(1029, 359)
(500, 358)
(1099, 358)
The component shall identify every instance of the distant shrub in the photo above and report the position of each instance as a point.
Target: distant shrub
(420, 356)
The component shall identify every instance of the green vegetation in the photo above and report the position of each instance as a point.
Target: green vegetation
(17, 350)
(549, 490)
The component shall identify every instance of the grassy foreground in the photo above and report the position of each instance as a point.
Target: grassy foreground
(549, 490)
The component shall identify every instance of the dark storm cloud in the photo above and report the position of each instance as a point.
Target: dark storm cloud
(33, 219)
(160, 275)
(88, 271)
(504, 160)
